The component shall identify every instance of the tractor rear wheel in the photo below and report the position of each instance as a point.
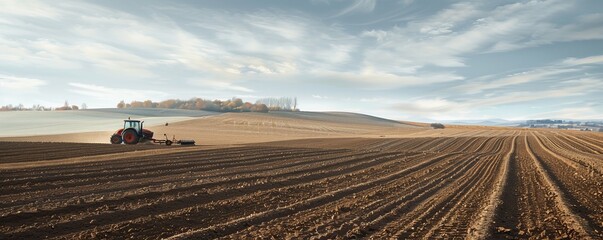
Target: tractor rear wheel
(130, 136)
(116, 139)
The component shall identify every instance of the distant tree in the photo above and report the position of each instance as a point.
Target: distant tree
(278, 104)
(84, 106)
(246, 107)
(170, 103)
(147, 104)
(437, 126)
(121, 104)
(199, 104)
(8, 107)
(75, 107)
(237, 102)
(136, 104)
(260, 108)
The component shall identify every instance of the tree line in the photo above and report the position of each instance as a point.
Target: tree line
(230, 105)
(38, 107)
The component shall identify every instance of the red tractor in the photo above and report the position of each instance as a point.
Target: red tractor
(133, 133)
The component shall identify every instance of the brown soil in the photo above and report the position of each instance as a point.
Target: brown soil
(436, 184)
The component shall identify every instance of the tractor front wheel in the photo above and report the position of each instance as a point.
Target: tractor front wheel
(130, 136)
(116, 139)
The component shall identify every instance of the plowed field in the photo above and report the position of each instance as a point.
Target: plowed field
(511, 184)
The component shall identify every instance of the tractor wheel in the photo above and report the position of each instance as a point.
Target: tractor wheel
(116, 139)
(168, 142)
(130, 136)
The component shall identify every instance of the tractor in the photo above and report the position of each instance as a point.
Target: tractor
(134, 133)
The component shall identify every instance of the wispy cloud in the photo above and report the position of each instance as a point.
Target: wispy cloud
(221, 85)
(442, 108)
(569, 68)
(371, 79)
(473, 27)
(114, 94)
(320, 97)
(19, 83)
(584, 61)
(491, 82)
(583, 112)
(359, 6)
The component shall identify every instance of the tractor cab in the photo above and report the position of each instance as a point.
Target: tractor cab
(133, 124)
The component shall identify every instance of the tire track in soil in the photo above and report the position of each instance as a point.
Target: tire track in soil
(566, 151)
(12, 152)
(332, 183)
(581, 190)
(130, 163)
(549, 191)
(99, 190)
(410, 210)
(371, 204)
(572, 221)
(143, 211)
(323, 219)
(242, 223)
(455, 223)
(422, 220)
(528, 208)
(594, 148)
(152, 195)
(161, 170)
(571, 146)
(479, 229)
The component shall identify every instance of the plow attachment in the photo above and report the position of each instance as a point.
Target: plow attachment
(169, 142)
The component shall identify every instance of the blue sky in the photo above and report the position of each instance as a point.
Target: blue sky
(404, 59)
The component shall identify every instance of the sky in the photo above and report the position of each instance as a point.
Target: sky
(401, 59)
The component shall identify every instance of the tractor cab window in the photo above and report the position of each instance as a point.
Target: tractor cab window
(134, 125)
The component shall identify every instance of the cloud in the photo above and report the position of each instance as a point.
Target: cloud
(567, 69)
(32, 9)
(19, 83)
(492, 82)
(320, 97)
(583, 112)
(114, 94)
(445, 38)
(407, 2)
(359, 6)
(443, 108)
(584, 61)
(371, 79)
(74, 40)
(435, 105)
(221, 85)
